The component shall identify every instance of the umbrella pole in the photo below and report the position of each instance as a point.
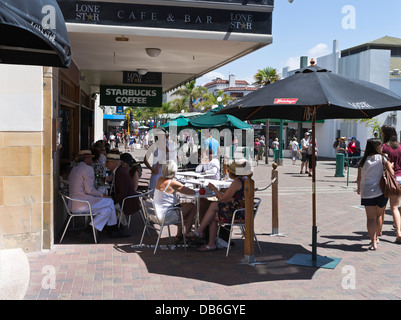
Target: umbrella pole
(307, 259)
(314, 226)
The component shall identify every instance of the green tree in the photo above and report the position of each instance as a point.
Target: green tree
(190, 92)
(373, 124)
(208, 100)
(266, 76)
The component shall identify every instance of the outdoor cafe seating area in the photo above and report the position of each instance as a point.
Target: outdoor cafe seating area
(147, 215)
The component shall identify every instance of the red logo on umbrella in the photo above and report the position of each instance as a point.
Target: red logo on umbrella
(285, 100)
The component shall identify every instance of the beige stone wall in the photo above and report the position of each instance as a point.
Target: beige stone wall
(26, 181)
(21, 190)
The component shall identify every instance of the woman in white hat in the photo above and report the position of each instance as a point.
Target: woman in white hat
(229, 201)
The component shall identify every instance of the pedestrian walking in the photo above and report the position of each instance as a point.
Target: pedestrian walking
(342, 148)
(294, 150)
(304, 155)
(392, 148)
(370, 170)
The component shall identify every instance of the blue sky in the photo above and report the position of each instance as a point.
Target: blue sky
(308, 28)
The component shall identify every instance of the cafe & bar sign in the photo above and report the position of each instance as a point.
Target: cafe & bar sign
(170, 17)
(131, 96)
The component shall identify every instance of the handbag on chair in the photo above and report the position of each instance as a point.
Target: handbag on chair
(388, 184)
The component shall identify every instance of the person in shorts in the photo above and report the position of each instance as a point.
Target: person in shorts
(304, 152)
(370, 170)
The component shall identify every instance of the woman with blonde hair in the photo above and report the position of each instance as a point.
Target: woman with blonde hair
(165, 198)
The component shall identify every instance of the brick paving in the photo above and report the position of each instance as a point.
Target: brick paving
(118, 269)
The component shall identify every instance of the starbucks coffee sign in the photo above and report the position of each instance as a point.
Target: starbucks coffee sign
(131, 96)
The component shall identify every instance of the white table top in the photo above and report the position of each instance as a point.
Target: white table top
(194, 174)
(205, 182)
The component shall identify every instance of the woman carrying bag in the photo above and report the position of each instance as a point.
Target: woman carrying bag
(392, 148)
(370, 172)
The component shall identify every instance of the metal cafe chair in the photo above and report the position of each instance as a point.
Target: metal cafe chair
(120, 210)
(77, 214)
(153, 222)
(239, 223)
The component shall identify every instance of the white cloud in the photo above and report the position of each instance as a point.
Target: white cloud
(292, 63)
(208, 77)
(319, 50)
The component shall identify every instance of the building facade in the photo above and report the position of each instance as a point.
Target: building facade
(48, 114)
(379, 62)
(231, 87)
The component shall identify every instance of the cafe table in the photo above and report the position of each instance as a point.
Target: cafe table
(105, 189)
(197, 198)
(203, 183)
(193, 174)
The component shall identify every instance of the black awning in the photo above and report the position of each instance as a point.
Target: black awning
(33, 32)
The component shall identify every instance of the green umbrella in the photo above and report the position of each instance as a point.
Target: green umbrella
(209, 120)
(180, 121)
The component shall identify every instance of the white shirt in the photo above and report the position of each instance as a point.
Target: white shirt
(212, 166)
(294, 146)
(304, 143)
(371, 174)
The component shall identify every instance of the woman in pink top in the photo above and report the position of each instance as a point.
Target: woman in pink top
(392, 148)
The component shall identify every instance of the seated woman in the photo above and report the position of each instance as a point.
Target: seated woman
(165, 198)
(134, 168)
(229, 201)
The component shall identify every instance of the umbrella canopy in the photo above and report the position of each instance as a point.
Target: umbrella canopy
(315, 93)
(33, 33)
(181, 121)
(211, 120)
(335, 96)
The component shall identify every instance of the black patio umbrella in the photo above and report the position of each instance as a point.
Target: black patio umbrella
(33, 32)
(315, 93)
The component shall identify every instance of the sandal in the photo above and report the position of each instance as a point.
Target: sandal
(373, 246)
(207, 248)
(194, 234)
(397, 240)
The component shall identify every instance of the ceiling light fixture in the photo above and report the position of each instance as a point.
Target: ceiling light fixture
(153, 52)
(142, 72)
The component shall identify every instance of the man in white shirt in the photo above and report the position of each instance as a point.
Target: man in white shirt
(82, 187)
(112, 140)
(212, 166)
(304, 155)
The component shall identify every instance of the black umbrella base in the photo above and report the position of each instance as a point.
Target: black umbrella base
(319, 262)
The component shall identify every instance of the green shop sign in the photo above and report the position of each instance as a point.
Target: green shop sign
(131, 96)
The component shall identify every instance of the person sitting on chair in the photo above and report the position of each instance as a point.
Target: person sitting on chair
(210, 165)
(165, 198)
(229, 201)
(122, 185)
(82, 187)
(133, 167)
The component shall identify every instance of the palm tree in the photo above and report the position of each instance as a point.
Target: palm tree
(209, 99)
(190, 92)
(266, 76)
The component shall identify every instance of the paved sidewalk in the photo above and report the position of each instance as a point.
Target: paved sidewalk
(117, 269)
